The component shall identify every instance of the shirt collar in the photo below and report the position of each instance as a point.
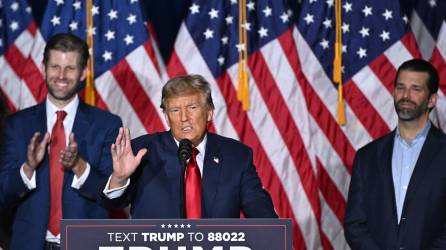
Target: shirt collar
(201, 147)
(420, 136)
(70, 108)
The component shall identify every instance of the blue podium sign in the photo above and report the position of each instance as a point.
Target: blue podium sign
(169, 234)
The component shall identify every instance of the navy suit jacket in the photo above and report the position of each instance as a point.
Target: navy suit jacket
(94, 130)
(371, 217)
(230, 183)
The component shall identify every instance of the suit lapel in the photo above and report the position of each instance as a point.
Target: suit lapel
(386, 163)
(81, 122)
(428, 151)
(172, 167)
(211, 174)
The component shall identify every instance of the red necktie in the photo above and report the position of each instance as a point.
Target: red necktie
(193, 187)
(56, 173)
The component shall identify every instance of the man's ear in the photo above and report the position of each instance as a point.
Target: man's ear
(83, 74)
(432, 100)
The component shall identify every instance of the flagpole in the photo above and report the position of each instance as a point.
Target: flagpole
(89, 88)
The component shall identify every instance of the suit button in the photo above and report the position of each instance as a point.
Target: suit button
(403, 219)
(401, 248)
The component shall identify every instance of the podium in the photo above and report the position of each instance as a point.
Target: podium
(178, 234)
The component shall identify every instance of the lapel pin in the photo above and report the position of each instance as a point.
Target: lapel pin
(216, 160)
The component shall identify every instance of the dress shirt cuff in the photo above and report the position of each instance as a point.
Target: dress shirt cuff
(79, 181)
(115, 192)
(29, 183)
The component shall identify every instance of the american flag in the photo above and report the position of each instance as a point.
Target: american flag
(303, 156)
(126, 68)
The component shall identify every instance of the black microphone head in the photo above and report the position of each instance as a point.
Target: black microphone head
(184, 150)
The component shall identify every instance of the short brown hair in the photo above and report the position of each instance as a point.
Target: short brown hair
(67, 42)
(184, 85)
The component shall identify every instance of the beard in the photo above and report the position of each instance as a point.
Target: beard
(62, 95)
(410, 114)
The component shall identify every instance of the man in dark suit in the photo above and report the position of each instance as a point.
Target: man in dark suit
(152, 182)
(397, 196)
(55, 153)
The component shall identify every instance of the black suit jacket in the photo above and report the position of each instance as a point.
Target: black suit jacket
(230, 182)
(371, 217)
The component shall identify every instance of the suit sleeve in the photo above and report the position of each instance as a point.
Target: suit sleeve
(355, 222)
(100, 169)
(12, 187)
(256, 202)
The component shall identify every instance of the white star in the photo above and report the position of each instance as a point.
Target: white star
(128, 39)
(432, 3)
(313, 1)
(405, 19)
(385, 35)
(329, 3)
(309, 18)
(221, 60)
(229, 19)
(247, 26)
(175, 226)
(110, 35)
(327, 23)
(284, 17)
(345, 27)
(364, 31)
(233, 1)
(240, 47)
(347, 7)
(131, 19)
(182, 226)
(224, 40)
(251, 5)
(14, 6)
(133, 1)
(28, 10)
(213, 13)
(59, 2)
(208, 33)
(95, 10)
(91, 31)
(107, 55)
(188, 226)
(14, 25)
(169, 225)
(77, 5)
(113, 14)
(387, 14)
(367, 10)
(324, 44)
(268, 11)
(194, 9)
(55, 20)
(361, 52)
(263, 32)
(73, 25)
(344, 48)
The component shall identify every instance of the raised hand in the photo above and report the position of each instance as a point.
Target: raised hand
(35, 153)
(124, 161)
(70, 158)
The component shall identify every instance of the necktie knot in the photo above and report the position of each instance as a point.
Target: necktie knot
(61, 115)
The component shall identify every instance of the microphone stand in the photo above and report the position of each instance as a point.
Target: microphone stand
(182, 189)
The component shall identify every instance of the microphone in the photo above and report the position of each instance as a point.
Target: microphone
(184, 151)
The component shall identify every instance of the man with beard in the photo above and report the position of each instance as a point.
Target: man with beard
(397, 196)
(57, 152)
